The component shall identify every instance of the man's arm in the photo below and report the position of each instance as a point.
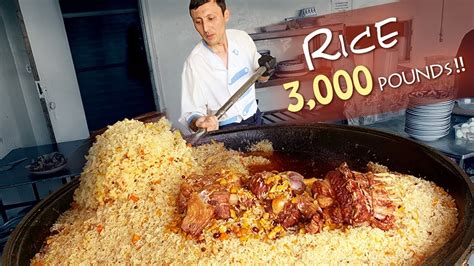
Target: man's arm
(193, 104)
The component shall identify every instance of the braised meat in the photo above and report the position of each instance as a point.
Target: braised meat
(185, 191)
(289, 216)
(307, 205)
(315, 225)
(383, 207)
(323, 193)
(220, 200)
(198, 215)
(268, 202)
(357, 197)
(256, 184)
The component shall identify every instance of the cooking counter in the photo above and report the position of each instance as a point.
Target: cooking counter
(456, 149)
(17, 176)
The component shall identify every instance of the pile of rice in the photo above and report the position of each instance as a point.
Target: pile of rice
(129, 157)
(125, 204)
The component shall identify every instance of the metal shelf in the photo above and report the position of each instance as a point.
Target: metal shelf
(275, 81)
(292, 32)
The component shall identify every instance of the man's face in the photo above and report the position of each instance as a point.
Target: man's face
(210, 23)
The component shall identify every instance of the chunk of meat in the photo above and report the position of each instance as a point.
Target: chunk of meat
(315, 225)
(198, 215)
(383, 207)
(362, 198)
(290, 216)
(323, 193)
(220, 200)
(352, 194)
(256, 184)
(185, 191)
(343, 195)
(307, 205)
(333, 215)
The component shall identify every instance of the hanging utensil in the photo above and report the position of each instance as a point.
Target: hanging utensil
(10, 165)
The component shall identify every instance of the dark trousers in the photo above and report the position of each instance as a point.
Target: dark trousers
(255, 120)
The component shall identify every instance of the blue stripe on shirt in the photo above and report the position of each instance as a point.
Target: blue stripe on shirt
(247, 107)
(191, 117)
(239, 75)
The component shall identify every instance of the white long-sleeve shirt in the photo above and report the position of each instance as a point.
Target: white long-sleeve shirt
(207, 84)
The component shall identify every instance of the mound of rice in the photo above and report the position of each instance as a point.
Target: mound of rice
(129, 156)
(127, 230)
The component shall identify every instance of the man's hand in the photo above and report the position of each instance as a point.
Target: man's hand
(269, 62)
(208, 122)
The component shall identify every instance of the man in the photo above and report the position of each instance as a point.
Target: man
(216, 68)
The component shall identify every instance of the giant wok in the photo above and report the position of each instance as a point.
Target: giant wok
(331, 144)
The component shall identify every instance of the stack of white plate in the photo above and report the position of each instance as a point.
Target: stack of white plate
(429, 122)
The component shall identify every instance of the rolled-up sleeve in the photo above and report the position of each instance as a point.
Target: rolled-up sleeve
(192, 101)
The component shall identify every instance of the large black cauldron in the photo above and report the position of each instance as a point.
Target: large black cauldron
(332, 144)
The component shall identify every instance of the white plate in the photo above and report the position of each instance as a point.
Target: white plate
(428, 116)
(427, 127)
(425, 131)
(428, 107)
(439, 115)
(428, 123)
(427, 138)
(439, 133)
(427, 120)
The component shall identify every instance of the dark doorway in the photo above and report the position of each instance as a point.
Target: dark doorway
(108, 50)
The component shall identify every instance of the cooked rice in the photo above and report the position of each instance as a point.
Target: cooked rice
(112, 228)
(129, 156)
(262, 146)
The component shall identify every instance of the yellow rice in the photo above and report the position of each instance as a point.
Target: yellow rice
(107, 227)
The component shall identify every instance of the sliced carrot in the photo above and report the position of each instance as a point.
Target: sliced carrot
(99, 228)
(156, 182)
(133, 197)
(135, 238)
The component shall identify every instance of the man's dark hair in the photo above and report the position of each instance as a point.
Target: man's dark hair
(194, 4)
